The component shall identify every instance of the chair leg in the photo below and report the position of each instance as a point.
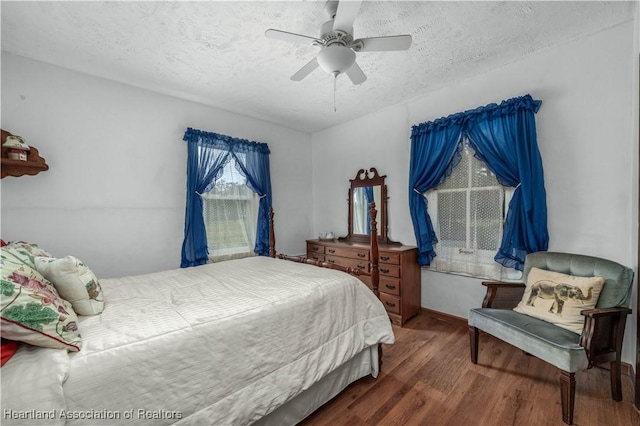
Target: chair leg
(474, 336)
(567, 395)
(616, 380)
(616, 363)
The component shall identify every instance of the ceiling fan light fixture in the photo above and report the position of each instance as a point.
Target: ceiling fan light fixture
(338, 47)
(336, 58)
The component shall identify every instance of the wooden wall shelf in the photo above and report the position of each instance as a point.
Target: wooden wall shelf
(34, 164)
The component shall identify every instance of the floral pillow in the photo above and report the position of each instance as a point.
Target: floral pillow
(27, 251)
(75, 282)
(31, 309)
(559, 298)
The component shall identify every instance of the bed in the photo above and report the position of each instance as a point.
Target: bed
(259, 340)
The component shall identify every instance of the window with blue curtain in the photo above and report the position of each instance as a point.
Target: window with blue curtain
(230, 213)
(468, 212)
(207, 155)
(503, 136)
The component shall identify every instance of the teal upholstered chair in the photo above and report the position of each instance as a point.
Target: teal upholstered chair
(601, 338)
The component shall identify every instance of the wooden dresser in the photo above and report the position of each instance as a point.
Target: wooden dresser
(399, 272)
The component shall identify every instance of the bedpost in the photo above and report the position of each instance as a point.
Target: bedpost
(375, 272)
(272, 235)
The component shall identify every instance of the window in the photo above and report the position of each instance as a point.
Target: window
(230, 212)
(468, 212)
(207, 155)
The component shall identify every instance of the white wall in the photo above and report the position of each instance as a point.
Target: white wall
(114, 194)
(587, 141)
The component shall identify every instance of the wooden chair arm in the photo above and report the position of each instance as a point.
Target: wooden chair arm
(502, 295)
(600, 312)
(602, 333)
(502, 284)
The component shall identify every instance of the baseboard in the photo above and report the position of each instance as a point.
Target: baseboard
(445, 317)
(634, 391)
(625, 368)
(630, 372)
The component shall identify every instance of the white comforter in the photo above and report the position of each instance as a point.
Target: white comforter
(219, 344)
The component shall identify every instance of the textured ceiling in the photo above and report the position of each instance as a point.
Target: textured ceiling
(216, 52)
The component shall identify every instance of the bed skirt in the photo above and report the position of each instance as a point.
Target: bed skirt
(317, 395)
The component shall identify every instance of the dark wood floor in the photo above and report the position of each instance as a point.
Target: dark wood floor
(428, 379)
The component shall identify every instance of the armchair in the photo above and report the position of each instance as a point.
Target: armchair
(602, 334)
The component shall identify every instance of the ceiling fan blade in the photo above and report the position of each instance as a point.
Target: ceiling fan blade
(291, 37)
(305, 70)
(346, 14)
(356, 75)
(378, 44)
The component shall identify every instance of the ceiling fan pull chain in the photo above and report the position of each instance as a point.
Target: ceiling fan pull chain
(335, 77)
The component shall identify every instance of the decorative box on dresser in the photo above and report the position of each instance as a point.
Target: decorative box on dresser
(399, 272)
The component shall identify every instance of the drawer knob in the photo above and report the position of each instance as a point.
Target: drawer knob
(332, 251)
(361, 267)
(390, 304)
(361, 255)
(384, 270)
(315, 248)
(331, 261)
(390, 286)
(384, 258)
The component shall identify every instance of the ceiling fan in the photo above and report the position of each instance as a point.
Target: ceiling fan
(338, 47)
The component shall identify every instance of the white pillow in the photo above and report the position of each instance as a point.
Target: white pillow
(559, 298)
(75, 282)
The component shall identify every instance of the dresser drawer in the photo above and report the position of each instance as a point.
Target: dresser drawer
(386, 284)
(395, 319)
(399, 273)
(353, 253)
(391, 303)
(390, 285)
(315, 256)
(389, 270)
(389, 258)
(367, 280)
(315, 248)
(346, 262)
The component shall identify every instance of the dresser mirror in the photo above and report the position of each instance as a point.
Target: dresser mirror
(367, 186)
(361, 197)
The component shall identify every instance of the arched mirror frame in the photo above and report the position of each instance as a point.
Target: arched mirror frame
(371, 178)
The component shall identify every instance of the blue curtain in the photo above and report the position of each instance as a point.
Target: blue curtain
(504, 137)
(368, 194)
(207, 154)
(256, 170)
(435, 150)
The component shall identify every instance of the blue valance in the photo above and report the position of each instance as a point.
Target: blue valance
(504, 137)
(227, 143)
(486, 112)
